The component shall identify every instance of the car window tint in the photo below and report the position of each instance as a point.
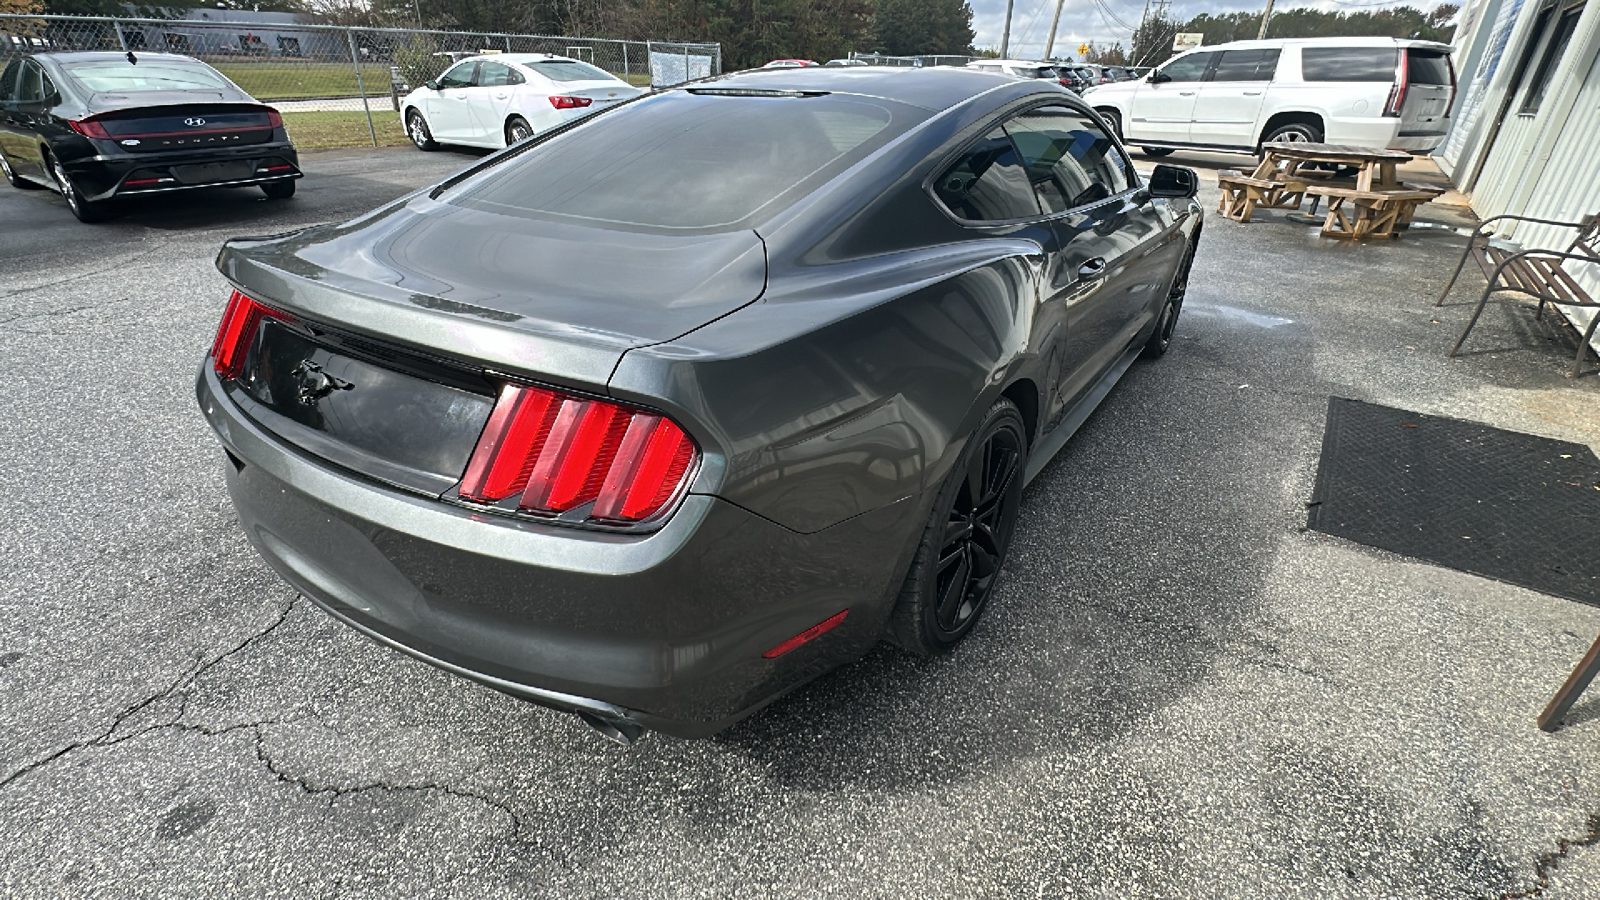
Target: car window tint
(1423, 67)
(572, 70)
(988, 183)
(491, 74)
(118, 75)
(1188, 68)
(1070, 161)
(30, 89)
(8, 81)
(459, 76)
(684, 160)
(1245, 65)
(1348, 63)
(47, 88)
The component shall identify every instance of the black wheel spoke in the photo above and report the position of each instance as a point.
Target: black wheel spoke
(953, 592)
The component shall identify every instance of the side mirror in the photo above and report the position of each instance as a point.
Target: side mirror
(1173, 182)
(431, 85)
(1157, 78)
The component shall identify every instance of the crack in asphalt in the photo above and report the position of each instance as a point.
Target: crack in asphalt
(334, 792)
(119, 264)
(1547, 863)
(109, 736)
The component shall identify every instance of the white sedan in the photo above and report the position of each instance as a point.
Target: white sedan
(500, 99)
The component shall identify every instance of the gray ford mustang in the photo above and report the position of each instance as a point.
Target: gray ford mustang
(658, 416)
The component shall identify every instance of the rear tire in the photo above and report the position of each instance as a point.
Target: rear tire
(1294, 132)
(1161, 339)
(964, 543)
(80, 206)
(517, 130)
(278, 190)
(417, 129)
(1155, 151)
(15, 180)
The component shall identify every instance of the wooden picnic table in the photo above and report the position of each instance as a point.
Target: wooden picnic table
(1284, 160)
(1372, 203)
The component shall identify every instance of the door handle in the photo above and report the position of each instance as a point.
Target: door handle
(1094, 268)
(1252, 93)
(501, 96)
(1186, 93)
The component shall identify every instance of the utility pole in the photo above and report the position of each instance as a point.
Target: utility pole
(1265, 17)
(1133, 42)
(1050, 41)
(1005, 36)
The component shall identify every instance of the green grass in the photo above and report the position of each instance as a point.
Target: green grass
(313, 130)
(294, 80)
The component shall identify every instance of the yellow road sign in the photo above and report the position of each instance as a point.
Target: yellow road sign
(1083, 49)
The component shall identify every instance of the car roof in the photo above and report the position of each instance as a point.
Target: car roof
(931, 87)
(1271, 43)
(1012, 62)
(523, 59)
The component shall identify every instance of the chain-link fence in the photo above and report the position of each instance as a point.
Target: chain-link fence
(336, 86)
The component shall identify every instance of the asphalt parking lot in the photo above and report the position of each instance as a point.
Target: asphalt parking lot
(1178, 691)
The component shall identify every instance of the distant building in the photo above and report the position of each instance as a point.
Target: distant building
(232, 32)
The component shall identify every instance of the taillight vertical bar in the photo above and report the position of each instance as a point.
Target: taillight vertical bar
(510, 443)
(1402, 81)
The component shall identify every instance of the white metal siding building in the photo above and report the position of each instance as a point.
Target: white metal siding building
(1526, 133)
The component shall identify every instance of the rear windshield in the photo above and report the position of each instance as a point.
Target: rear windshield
(691, 161)
(118, 75)
(570, 70)
(1349, 63)
(1423, 67)
(1040, 73)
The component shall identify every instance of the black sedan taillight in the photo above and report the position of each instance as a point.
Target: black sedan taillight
(560, 451)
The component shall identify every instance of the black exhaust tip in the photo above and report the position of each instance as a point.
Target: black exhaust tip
(619, 730)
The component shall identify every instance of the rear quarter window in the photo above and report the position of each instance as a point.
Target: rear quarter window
(1427, 68)
(1349, 63)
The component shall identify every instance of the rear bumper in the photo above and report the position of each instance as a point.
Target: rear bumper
(665, 630)
(105, 175)
(1383, 132)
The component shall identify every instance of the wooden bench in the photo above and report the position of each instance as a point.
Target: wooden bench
(1242, 193)
(1538, 273)
(1354, 214)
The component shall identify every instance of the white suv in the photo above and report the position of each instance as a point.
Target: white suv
(1362, 92)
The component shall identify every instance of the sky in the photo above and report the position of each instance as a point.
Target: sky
(1082, 21)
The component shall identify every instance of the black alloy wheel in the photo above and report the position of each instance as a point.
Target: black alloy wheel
(12, 178)
(518, 130)
(417, 130)
(1161, 338)
(965, 542)
(81, 207)
(1115, 122)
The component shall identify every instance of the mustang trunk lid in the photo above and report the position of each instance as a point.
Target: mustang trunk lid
(400, 316)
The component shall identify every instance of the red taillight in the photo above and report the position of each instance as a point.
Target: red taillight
(570, 102)
(274, 118)
(239, 325)
(560, 451)
(1402, 81)
(89, 128)
(810, 634)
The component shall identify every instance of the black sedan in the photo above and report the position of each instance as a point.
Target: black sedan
(661, 415)
(96, 126)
